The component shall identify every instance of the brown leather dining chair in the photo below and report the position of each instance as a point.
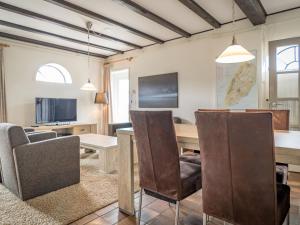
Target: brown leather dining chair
(281, 117)
(238, 169)
(161, 173)
(195, 157)
(281, 121)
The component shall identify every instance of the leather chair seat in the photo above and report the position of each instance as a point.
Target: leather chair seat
(191, 158)
(190, 175)
(281, 169)
(283, 202)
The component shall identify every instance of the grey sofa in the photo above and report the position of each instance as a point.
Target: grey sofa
(30, 169)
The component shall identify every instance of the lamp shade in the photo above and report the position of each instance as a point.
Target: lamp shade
(88, 86)
(101, 98)
(234, 54)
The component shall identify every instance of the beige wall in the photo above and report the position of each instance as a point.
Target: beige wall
(21, 64)
(194, 60)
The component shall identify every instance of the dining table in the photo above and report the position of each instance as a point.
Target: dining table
(287, 150)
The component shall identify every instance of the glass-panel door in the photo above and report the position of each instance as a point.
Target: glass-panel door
(284, 77)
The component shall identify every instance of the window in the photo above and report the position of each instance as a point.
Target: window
(53, 73)
(120, 95)
(287, 67)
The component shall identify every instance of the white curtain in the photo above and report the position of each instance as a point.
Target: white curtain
(3, 110)
(107, 109)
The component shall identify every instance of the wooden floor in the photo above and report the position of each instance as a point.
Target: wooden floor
(157, 212)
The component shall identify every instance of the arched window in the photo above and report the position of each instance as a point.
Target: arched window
(53, 73)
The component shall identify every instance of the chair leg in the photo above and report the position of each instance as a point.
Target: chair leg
(204, 219)
(177, 213)
(140, 206)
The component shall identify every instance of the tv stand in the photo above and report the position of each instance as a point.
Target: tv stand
(57, 124)
(69, 129)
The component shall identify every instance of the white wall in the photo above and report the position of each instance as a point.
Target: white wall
(21, 64)
(194, 60)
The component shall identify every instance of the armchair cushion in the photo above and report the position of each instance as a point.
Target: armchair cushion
(28, 129)
(41, 136)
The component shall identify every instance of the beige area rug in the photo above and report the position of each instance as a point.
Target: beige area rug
(95, 191)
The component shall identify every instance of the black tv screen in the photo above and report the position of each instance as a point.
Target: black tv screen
(54, 110)
(158, 91)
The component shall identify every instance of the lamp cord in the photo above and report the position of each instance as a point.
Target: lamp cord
(88, 53)
(233, 22)
(233, 12)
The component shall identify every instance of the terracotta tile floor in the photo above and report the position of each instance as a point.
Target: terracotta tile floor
(157, 212)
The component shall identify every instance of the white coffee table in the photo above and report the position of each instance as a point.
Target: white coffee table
(106, 146)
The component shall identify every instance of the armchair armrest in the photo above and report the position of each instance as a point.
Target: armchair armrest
(41, 136)
(47, 166)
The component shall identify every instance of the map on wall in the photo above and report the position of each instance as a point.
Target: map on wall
(237, 85)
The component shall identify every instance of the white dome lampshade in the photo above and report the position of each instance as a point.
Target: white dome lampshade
(88, 86)
(234, 54)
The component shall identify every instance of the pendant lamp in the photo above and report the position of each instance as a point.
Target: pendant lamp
(235, 53)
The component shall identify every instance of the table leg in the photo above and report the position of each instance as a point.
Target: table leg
(126, 174)
(109, 159)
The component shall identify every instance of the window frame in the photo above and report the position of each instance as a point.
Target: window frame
(66, 76)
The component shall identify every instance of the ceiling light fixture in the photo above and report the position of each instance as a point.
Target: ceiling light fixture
(235, 53)
(89, 86)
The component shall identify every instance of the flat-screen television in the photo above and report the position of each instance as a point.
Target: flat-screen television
(158, 91)
(55, 110)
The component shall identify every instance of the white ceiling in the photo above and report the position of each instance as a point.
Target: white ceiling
(171, 10)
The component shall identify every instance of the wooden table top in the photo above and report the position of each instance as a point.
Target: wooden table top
(283, 139)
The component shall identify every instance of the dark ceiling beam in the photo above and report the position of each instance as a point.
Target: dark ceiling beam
(41, 17)
(254, 10)
(47, 44)
(96, 16)
(150, 15)
(32, 30)
(192, 5)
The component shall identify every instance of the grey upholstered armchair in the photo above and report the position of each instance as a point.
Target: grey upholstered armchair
(32, 169)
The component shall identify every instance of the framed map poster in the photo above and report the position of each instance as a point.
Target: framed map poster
(236, 85)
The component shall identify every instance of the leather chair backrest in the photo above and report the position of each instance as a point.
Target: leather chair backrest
(11, 136)
(157, 150)
(281, 117)
(238, 166)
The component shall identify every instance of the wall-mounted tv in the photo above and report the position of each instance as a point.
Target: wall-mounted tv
(55, 110)
(158, 91)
